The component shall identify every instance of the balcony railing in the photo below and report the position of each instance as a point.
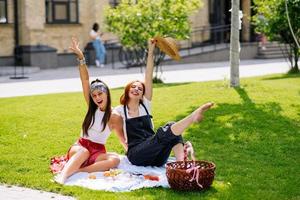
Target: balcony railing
(200, 38)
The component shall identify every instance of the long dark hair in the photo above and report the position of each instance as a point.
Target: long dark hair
(124, 99)
(90, 115)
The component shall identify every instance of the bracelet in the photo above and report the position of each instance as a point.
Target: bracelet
(81, 61)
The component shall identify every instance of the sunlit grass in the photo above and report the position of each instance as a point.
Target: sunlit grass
(252, 135)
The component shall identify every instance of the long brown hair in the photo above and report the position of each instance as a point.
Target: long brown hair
(124, 99)
(90, 115)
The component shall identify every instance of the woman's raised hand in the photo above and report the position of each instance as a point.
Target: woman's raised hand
(75, 48)
(149, 69)
(151, 46)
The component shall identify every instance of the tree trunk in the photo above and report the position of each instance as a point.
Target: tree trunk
(296, 57)
(293, 58)
(235, 45)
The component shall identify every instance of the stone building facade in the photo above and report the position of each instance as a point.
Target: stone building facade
(46, 26)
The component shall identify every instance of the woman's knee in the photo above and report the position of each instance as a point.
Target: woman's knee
(75, 149)
(83, 152)
(115, 159)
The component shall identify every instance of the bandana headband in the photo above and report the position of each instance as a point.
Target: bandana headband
(98, 86)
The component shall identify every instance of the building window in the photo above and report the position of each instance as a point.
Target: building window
(3, 12)
(62, 11)
(114, 3)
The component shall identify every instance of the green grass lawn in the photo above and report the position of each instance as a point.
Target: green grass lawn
(252, 135)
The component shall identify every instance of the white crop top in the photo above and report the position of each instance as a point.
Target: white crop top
(94, 34)
(95, 133)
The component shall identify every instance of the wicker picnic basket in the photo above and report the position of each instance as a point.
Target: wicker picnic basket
(190, 175)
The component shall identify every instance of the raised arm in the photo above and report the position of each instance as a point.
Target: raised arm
(149, 70)
(84, 74)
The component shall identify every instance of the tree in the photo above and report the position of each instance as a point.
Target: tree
(277, 24)
(235, 45)
(135, 21)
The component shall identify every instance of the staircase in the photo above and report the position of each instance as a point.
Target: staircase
(272, 50)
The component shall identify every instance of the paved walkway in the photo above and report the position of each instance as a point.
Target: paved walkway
(19, 193)
(66, 80)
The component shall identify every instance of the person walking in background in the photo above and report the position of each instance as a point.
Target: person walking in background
(98, 45)
(262, 38)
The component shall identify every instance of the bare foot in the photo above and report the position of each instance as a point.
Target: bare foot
(197, 115)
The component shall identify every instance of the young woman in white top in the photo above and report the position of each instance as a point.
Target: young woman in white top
(98, 45)
(145, 147)
(88, 154)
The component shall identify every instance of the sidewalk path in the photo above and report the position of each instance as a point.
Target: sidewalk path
(19, 193)
(67, 79)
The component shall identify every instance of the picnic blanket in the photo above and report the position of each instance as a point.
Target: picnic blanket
(130, 177)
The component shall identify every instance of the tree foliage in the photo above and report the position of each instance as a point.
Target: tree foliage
(276, 25)
(134, 22)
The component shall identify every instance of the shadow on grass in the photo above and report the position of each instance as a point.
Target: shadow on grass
(284, 76)
(159, 85)
(162, 193)
(245, 140)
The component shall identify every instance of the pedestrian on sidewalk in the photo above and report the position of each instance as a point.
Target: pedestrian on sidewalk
(95, 35)
(262, 38)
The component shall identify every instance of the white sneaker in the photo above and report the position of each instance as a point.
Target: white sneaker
(58, 179)
(101, 65)
(97, 63)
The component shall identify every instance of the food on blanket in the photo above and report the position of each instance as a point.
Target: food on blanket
(92, 176)
(112, 172)
(117, 172)
(106, 173)
(151, 177)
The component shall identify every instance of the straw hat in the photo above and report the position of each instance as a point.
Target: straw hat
(168, 46)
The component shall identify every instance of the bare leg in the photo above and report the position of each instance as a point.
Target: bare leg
(178, 151)
(263, 42)
(103, 162)
(179, 127)
(78, 156)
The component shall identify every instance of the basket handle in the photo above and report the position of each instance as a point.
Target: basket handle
(188, 149)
